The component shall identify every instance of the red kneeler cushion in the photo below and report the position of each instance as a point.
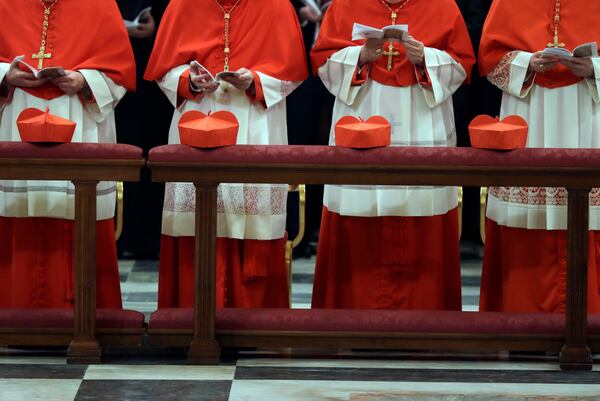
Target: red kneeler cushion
(326, 320)
(63, 319)
(110, 151)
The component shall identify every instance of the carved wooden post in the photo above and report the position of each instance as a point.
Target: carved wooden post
(204, 348)
(84, 347)
(575, 354)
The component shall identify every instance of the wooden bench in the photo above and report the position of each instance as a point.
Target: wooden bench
(204, 330)
(85, 164)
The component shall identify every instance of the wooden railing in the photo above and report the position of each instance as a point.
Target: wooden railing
(577, 170)
(85, 165)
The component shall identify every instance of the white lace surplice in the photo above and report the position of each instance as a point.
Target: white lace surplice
(245, 211)
(95, 123)
(419, 117)
(566, 117)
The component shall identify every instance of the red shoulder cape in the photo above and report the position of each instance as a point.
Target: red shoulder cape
(265, 37)
(83, 34)
(436, 23)
(529, 26)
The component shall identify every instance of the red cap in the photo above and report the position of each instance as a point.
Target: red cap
(40, 126)
(208, 131)
(490, 133)
(353, 132)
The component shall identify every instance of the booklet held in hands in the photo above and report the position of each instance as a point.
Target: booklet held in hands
(392, 33)
(585, 50)
(214, 78)
(49, 72)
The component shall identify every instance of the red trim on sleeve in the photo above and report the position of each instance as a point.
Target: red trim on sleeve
(184, 90)
(361, 75)
(258, 95)
(423, 78)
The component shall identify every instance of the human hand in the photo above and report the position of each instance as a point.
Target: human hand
(370, 51)
(71, 84)
(145, 29)
(243, 81)
(308, 14)
(582, 67)
(18, 78)
(415, 51)
(200, 80)
(540, 64)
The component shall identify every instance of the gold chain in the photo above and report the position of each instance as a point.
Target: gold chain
(556, 43)
(227, 17)
(41, 55)
(394, 13)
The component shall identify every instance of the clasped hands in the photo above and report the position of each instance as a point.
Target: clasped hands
(200, 81)
(581, 67)
(373, 49)
(71, 84)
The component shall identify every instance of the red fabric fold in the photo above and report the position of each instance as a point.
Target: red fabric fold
(529, 26)
(83, 34)
(437, 24)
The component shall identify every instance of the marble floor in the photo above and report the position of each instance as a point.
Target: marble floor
(33, 376)
(153, 374)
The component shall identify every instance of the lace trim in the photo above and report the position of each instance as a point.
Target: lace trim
(500, 75)
(239, 199)
(539, 196)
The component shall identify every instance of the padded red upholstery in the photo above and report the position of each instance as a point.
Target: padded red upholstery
(408, 156)
(109, 151)
(373, 321)
(63, 318)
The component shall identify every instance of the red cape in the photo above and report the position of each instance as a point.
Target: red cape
(265, 37)
(529, 26)
(436, 23)
(83, 34)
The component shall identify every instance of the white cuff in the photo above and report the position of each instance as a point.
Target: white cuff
(107, 94)
(593, 83)
(518, 75)
(445, 74)
(338, 73)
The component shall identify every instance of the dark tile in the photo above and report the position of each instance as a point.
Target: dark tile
(123, 277)
(416, 375)
(303, 278)
(471, 281)
(42, 371)
(302, 298)
(153, 390)
(141, 297)
(145, 266)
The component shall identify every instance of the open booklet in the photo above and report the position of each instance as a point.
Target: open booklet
(390, 33)
(48, 72)
(585, 50)
(139, 18)
(214, 78)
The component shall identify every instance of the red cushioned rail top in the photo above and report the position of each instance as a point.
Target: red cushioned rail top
(326, 320)
(111, 151)
(63, 318)
(407, 156)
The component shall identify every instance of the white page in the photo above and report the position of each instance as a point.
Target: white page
(49, 72)
(360, 31)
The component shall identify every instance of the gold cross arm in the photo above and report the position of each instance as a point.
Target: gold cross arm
(556, 44)
(391, 53)
(41, 56)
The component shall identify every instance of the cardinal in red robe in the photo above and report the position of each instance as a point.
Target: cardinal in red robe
(392, 247)
(87, 38)
(262, 44)
(525, 261)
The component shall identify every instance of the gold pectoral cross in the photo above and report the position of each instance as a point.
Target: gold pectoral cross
(391, 53)
(556, 43)
(42, 55)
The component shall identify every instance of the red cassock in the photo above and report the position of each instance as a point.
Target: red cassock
(525, 270)
(264, 38)
(391, 262)
(37, 253)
